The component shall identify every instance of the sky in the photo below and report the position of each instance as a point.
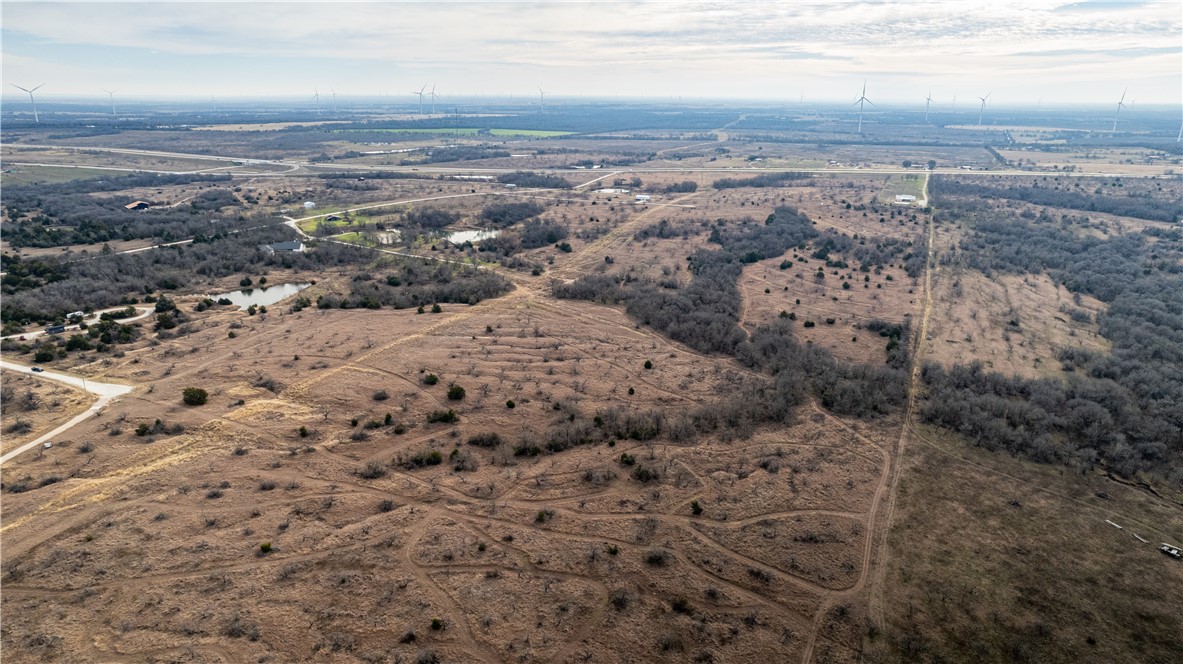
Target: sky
(1020, 52)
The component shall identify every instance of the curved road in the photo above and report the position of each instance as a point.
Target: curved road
(107, 393)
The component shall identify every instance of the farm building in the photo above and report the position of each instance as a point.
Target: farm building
(643, 198)
(308, 205)
(137, 205)
(905, 199)
(272, 249)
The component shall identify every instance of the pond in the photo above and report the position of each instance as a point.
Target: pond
(261, 296)
(460, 237)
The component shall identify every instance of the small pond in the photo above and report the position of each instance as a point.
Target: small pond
(261, 296)
(460, 237)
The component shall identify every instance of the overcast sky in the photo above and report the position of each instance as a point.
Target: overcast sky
(1021, 51)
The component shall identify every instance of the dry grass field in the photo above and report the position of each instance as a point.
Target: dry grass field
(479, 484)
(157, 540)
(32, 407)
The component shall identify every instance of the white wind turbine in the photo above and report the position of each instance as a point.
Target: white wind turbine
(32, 101)
(541, 101)
(1120, 105)
(334, 101)
(433, 96)
(927, 103)
(316, 96)
(111, 94)
(859, 102)
(420, 93)
(982, 110)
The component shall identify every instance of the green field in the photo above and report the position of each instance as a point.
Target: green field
(471, 131)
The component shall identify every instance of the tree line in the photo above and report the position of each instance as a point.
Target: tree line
(1124, 409)
(705, 316)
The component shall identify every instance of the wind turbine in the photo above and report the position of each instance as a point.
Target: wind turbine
(31, 100)
(954, 106)
(859, 102)
(420, 93)
(927, 103)
(982, 110)
(1120, 105)
(316, 96)
(541, 101)
(111, 94)
(433, 96)
(334, 101)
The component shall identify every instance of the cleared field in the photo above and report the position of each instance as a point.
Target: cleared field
(994, 559)
(33, 406)
(576, 537)
(1013, 325)
(22, 174)
(102, 160)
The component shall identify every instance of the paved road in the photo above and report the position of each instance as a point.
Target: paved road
(107, 392)
(93, 318)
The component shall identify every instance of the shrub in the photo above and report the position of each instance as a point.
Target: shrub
(485, 440)
(455, 393)
(372, 471)
(265, 547)
(648, 364)
(437, 624)
(431, 379)
(435, 309)
(194, 396)
(695, 507)
(381, 395)
(510, 404)
(657, 557)
(425, 458)
(644, 475)
(445, 416)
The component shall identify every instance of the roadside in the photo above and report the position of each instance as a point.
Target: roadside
(107, 392)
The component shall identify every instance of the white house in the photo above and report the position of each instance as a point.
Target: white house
(643, 198)
(905, 199)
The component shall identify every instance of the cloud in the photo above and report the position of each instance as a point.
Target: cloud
(696, 47)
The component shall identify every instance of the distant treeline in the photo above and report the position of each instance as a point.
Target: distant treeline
(66, 214)
(530, 179)
(375, 175)
(765, 180)
(1125, 409)
(458, 153)
(1137, 204)
(508, 214)
(705, 316)
(414, 283)
(51, 290)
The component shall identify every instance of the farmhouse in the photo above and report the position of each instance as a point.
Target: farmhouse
(137, 205)
(271, 249)
(904, 199)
